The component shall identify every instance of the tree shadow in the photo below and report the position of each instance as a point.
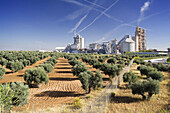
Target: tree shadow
(63, 71)
(8, 72)
(20, 75)
(64, 79)
(125, 99)
(63, 64)
(106, 79)
(58, 94)
(63, 68)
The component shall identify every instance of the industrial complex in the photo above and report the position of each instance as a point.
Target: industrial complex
(127, 44)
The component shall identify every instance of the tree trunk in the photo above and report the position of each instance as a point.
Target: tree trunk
(143, 96)
(149, 96)
(89, 90)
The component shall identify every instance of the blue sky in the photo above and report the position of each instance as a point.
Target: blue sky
(46, 24)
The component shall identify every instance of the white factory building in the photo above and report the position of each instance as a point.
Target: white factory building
(77, 45)
(127, 45)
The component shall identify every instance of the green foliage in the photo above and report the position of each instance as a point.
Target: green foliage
(84, 79)
(26, 62)
(161, 67)
(150, 86)
(3, 62)
(21, 97)
(51, 61)
(139, 61)
(98, 82)
(97, 65)
(15, 66)
(77, 103)
(139, 88)
(6, 98)
(102, 59)
(156, 75)
(2, 72)
(111, 60)
(89, 80)
(78, 68)
(130, 77)
(110, 69)
(144, 70)
(13, 94)
(73, 62)
(36, 76)
(47, 67)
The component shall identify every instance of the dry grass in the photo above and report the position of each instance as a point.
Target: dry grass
(125, 102)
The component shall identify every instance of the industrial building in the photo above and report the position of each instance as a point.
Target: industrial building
(76, 46)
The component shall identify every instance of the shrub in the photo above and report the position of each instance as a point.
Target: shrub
(78, 68)
(156, 75)
(26, 62)
(144, 70)
(109, 69)
(139, 88)
(98, 80)
(84, 79)
(150, 86)
(21, 97)
(15, 66)
(47, 67)
(97, 65)
(130, 77)
(161, 67)
(77, 104)
(13, 94)
(73, 62)
(2, 72)
(36, 76)
(111, 60)
(3, 62)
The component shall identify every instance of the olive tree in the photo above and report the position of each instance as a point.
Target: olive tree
(15, 66)
(90, 80)
(109, 69)
(150, 86)
(13, 94)
(78, 68)
(111, 60)
(98, 80)
(3, 62)
(47, 67)
(156, 75)
(2, 72)
(130, 77)
(144, 70)
(22, 93)
(36, 76)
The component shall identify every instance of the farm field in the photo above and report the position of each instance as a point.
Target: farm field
(62, 88)
(125, 102)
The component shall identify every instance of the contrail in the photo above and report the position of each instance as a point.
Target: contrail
(81, 20)
(142, 10)
(95, 4)
(83, 5)
(98, 16)
(78, 24)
